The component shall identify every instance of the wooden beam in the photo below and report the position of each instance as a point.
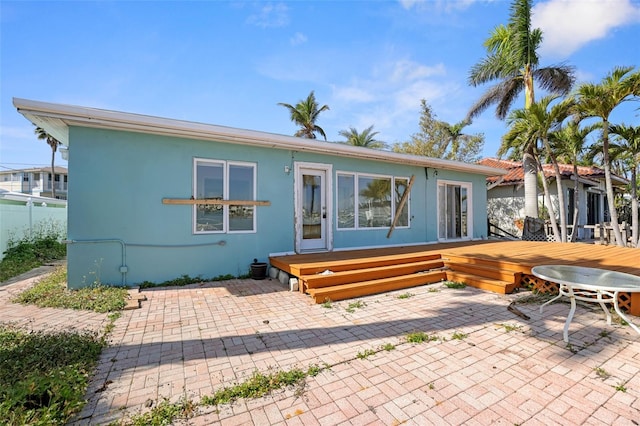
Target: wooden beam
(403, 201)
(182, 201)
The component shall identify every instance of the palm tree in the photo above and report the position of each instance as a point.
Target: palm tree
(305, 114)
(512, 60)
(568, 143)
(599, 100)
(535, 123)
(365, 139)
(463, 147)
(53, 143)
(628, 149)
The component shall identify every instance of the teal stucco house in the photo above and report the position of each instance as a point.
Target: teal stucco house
(152, 199)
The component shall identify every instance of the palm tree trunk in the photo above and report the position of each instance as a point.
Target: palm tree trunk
(609, 185)
(576, 206)
(530, 183)
(528, 157)
(634, 208)
(547, 197)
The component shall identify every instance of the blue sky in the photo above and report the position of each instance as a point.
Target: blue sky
(230, 62)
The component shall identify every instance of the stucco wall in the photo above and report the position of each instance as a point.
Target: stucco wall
(117, 181)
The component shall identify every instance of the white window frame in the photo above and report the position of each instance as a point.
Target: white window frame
(356, 220)
(225, 196)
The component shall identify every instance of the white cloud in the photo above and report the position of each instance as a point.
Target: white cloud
(298, 39)
(409, 71)
(353, 94)
(270, 16)
(568, 25)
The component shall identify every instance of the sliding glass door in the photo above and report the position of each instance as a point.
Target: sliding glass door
(454, 210)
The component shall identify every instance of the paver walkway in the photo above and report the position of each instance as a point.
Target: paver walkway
(192, 341)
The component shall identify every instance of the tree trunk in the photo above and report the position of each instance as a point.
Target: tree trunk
(530, 183)
(552, 212)
(634, 207)
(609, 185)
(562, 207)
(576, 206)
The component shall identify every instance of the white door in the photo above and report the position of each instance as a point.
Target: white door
(454, 211)
(313, 221)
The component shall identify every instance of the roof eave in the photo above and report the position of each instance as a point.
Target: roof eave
(56, 119)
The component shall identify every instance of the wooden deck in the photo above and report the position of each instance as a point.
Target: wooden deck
(499, 266)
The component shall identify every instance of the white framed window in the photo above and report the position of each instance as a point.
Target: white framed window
(223, 180)
(455, 213)
(367, 201)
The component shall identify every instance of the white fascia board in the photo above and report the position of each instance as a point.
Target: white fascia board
(48, 115)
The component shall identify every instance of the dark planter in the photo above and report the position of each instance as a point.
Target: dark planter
(258, 270)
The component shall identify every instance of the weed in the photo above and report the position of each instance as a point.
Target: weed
(388, 347)
(186, 280)
(164, 413)
(42, 245)
(420, 337)
(51, 292)
(459, 336)
(601, 372)
(433, 290)
(604, 333)
(327, 304)
(259, 385)
(43, 376)
(621, 387)
(366, 354)
(454, 284)
(432, 386)
(511, 327)
(405, 295)
(355, 305)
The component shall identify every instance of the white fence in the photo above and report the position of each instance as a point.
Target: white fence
(21, 219)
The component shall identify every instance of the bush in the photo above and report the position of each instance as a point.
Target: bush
(42, 245)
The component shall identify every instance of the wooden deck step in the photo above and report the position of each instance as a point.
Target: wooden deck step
(486, 271)
(367, 274)
(488, 263)
(483, 283)
(363, 263)
(364, 288)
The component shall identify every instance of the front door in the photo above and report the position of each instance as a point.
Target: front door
(313, 221)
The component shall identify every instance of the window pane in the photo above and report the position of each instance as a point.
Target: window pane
(346, 201)
(401, 187)
(209, 185)
(374, 202)
(463, 212)
(442, 213)
(241, 187)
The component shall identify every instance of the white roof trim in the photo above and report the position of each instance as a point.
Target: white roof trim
(56, 119)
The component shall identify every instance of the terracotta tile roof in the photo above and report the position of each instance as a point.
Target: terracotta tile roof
(515, 173)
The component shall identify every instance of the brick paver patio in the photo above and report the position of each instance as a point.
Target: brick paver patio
(502, 369)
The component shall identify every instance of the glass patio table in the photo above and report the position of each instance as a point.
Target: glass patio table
(592, 285)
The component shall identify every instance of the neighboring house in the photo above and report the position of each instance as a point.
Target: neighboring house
(36, 181)
(154, 198)
(505, 195)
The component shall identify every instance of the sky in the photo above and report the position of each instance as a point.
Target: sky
(230, 63)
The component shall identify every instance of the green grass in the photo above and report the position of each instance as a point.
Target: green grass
(366, 354)
(186, 280)
(405, 295)
(355, 305)
(51, 292)
(420, 337)
(457, 335)
(42, 246)
(163, 414)
(43, 376)
(453, 284)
